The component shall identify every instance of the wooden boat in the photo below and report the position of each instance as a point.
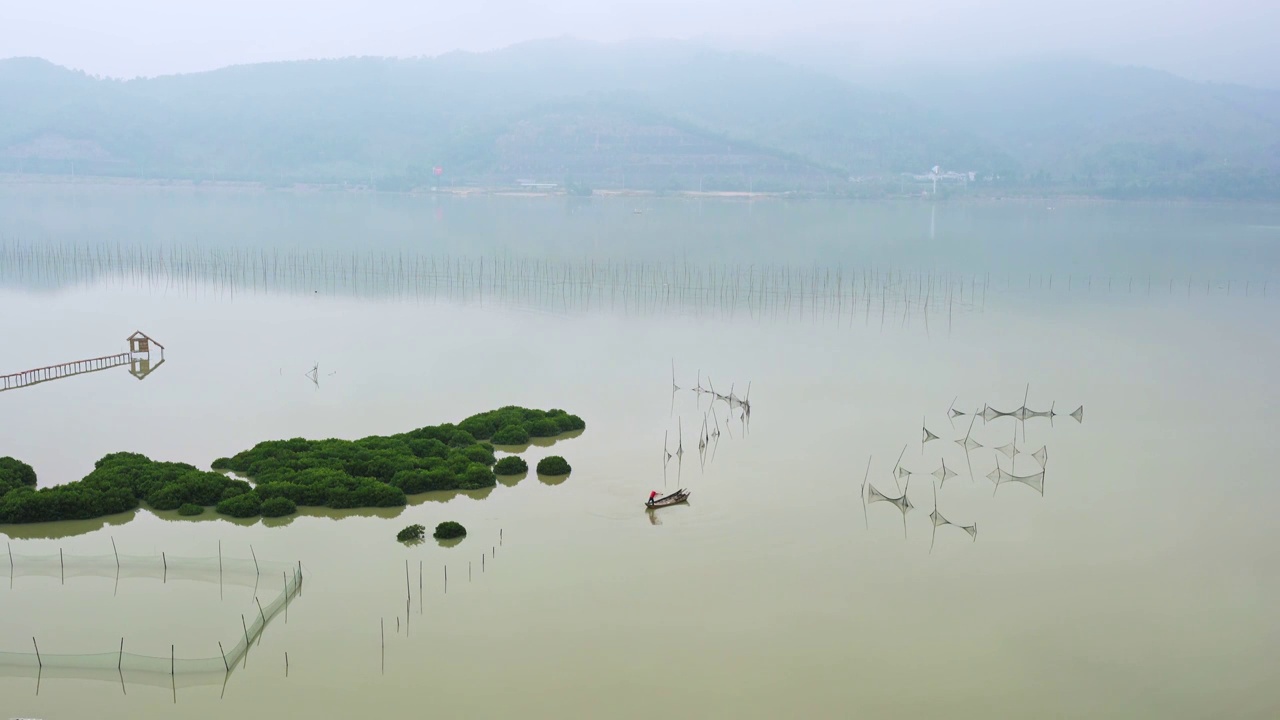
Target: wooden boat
(674, 498)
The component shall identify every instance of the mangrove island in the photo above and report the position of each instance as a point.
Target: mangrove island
(376, 471)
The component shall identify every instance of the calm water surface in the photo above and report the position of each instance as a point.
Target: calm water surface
(1141, 583)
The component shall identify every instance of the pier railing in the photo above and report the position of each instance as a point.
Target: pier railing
(26, 378)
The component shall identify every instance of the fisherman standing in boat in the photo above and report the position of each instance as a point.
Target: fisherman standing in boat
(652, 495)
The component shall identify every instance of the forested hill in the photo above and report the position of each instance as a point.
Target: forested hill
(1088, 123)
(652, 115)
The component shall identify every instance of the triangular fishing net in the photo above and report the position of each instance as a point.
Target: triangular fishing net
(956, 413)
(1035, 481)
(902, 502)
(1009, 450)
(989, 413)
(944, 473)
(926, 436)
(939, 520)
(968, 443)
(1078, 414)
(1026, 413)
(1041, 455)
(902, 472)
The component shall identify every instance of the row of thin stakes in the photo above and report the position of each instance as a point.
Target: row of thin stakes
(408, 593)
(409, 273)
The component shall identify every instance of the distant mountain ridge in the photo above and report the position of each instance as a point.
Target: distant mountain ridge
(664, 115)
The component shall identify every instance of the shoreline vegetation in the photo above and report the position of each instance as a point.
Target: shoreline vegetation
(871, 190)
(373, 472)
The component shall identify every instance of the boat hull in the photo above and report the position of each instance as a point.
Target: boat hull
(673, 499)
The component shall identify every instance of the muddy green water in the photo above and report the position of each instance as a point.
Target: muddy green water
(1142, 583)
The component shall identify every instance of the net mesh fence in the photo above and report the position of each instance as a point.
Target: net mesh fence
(233, 571)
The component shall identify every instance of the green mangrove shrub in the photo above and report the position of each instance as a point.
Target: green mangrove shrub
(411, 533)
(511, 465)
(553, 465)
(246, 505)
(513, 425)
(118, 483)
(511, 435)
(189, 509)
(448, 530)
(15, 474)
(278, 506)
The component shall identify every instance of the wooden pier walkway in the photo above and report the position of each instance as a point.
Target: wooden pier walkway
(138, 359)
(57, 372)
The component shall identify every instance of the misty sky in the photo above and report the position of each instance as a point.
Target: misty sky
(1232, 40)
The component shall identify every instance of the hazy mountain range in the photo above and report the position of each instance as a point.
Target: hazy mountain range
(650, 115)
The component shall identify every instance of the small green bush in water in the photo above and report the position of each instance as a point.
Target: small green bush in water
(413, 532)
(511, 465)
(511, 435)
(449, 529)
(245, 505)
(553, 465)
(278, 506)
(189, 509)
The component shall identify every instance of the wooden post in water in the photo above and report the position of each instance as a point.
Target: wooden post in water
(261, 614)
(120, 657)
(285, 576)
(10, 560)
(245, 625)
(172, 660)
(408, 594)
(38, 660)
(286, 663)
(224, 656)
(117, 553)
(165, 560)
(446, 578)
(255, 561)
(63, 566)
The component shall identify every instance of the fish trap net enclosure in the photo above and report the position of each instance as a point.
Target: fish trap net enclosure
(281, 582)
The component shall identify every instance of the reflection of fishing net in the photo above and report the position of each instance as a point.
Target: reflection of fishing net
(233, 571)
